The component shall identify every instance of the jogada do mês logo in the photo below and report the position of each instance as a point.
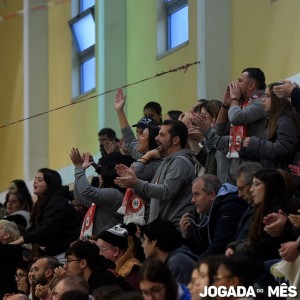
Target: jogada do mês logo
(282, 290)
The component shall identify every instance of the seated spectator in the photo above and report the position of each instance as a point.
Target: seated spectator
(22, 278)
(279, 147)
(222, 209)
(269, 195)
(19, 186)
(70, 283)
(44, 277)
(157, 282)
(10, 257)
(83, 259)
(203, 275)
(106, 292)
(116, 244)
(237, 271)
(74, 295)
(106, 199)
(161, 240)
(244, 176)
(18, 210)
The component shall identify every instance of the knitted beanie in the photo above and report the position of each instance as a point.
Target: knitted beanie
(116, 236)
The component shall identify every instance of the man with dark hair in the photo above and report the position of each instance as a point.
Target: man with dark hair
(43, 269)
(106, 135)
(221, 209)
(241, 115)
(83, 259)
(161, 240)
(170, 188)
(243, 109)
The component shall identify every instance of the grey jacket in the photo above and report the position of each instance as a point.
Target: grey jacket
(254, 117)
(107, 201)
(276, 153)
(131, 142)
(171, 188)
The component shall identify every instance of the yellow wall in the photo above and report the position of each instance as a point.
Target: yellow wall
(172, 91)
(76, 125)
(265, 35)
(11, 87)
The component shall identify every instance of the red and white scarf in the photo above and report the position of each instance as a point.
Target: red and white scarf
(238, 133)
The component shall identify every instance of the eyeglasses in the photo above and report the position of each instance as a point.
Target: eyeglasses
(154, 291)
(103, 249)
(242, 188)
(67, 261)
(18, 276)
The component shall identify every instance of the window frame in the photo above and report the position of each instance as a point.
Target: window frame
(171, 7)
(85, 55)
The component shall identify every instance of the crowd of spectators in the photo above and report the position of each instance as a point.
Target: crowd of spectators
(203, 199)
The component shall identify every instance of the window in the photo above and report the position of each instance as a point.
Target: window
(83, 30)
(177, 22)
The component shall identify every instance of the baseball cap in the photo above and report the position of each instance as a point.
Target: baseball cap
(146, 122)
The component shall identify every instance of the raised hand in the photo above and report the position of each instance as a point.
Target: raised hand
(76, 158)
(120, 99)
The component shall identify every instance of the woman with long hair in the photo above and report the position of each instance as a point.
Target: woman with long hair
(156, 281)
(269, 194)
(54, 221)
(282, 139)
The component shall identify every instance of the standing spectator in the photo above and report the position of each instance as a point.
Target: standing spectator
(106, 135)
(55, 223)
(173, 115)
(209, 111)
(107, 198)
(153, 109)
(242, 114)
(170, 188)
